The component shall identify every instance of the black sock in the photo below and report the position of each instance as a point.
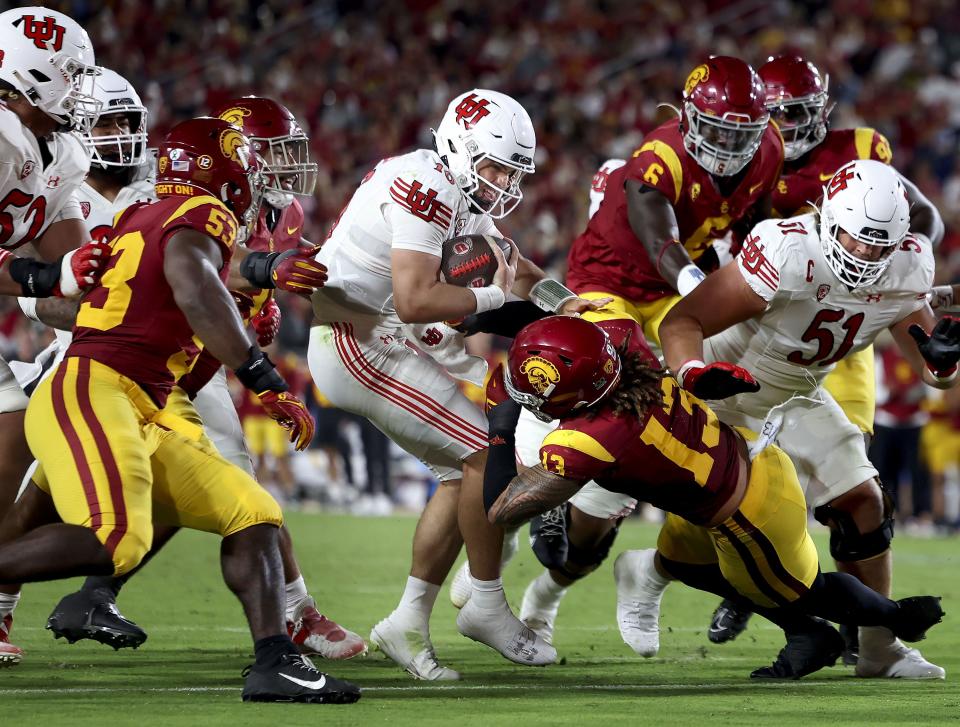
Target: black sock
(841, 598)
(270, 650)
(111, 583)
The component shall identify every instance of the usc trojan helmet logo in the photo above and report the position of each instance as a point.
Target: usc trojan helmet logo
(698, 75)
(231, 144)
(541, 373)
(235, 116)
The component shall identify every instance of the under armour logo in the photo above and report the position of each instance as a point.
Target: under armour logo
(432, 337)
(874, 297)
(471, 110)
(45, 34)
(53, 182)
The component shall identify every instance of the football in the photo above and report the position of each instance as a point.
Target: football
(468, 261)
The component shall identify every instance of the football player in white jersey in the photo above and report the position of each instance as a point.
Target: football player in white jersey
(122, 173)
(598, 185)
(803, 293)
(47, 67)
(383, 257)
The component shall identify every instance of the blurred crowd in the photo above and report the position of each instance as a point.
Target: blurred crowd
(368, 78)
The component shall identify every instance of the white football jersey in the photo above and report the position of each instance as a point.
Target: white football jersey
(812, 319)
(35, 194)
(99, 212)
(408, 202)
(598, 187)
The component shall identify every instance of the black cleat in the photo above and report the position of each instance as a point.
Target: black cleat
(804, 653)
(548, 537)
(296, 679)
(915, 615)
(92, 614)
(728, 622)
(851, 644)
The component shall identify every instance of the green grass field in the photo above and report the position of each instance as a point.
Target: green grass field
(188, 672)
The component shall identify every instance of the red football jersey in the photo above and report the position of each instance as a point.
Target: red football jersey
(802, 180)
(609, 257)
(678, 456)
(130, 321)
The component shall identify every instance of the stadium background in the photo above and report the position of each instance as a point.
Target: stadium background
(369, 78)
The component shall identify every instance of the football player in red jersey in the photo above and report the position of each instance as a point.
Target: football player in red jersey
(627, 424)
(91, 612)
(160, 302)
(796, 97)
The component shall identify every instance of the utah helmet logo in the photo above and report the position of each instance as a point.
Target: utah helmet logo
(235, 116)
(822, 292)
(232, 144)
(697, 76)
(541, 374)
(470, 110)
(839, 181)
(45, 33)
(462, 247)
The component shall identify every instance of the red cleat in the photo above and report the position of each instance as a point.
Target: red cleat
(10, 655)
(314, 633)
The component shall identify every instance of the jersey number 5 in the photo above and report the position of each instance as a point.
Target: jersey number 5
(127, 249)
(825, 339)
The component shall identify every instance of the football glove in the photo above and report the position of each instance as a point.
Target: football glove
(266, 323)
(941, 348)
(286, 409)
(717, 380)
(295, 270)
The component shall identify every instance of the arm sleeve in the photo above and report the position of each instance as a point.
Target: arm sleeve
(69, 211)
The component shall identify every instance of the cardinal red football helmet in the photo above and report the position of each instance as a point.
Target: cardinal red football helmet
(281, 142)
(723, 116)
(560, 364)
(211, 156)
(796, 97)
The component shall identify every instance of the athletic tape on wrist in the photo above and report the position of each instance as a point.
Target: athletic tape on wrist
(489, 297)
(689, 278)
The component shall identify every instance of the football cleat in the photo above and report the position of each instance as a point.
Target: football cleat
(638, 601)
(461, 587)
(804, 653)
(411, 649)
(728, 622)
(10, 655)
(548, 537)
(915, 615)
(93, 614)
(900, 662)
(502, 631)
(539, 613)
(314, 633)
(296, 679)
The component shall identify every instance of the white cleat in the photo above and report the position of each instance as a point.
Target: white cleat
(461, 586)
(539, 614)
(900, 662)
(502, 631)
(638, 601)
(411, 649)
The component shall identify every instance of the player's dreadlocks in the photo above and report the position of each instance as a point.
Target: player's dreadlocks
(639, 386)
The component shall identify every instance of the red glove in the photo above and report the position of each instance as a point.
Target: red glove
(296, 271)
(292, 415)
(496, 392)
(81, 269)
(266, 322)
(717, 380)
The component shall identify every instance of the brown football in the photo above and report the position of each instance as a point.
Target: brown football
(468, 261)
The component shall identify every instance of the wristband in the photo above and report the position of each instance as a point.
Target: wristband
(37, 279)
(689, 278)
(29, 308)
(944, 377)
(259, 374)
(257, 267)
(489, 297)
(685, 367)
(550, 295)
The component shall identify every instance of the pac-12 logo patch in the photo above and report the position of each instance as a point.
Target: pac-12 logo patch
(541, 374)
(822, 292)
(85, 209)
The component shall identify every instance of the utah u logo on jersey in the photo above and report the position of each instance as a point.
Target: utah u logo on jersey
(432, 337)
(420, 202)
(471, 110)
(44, 33)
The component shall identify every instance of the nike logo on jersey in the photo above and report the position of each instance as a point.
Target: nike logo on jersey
(292, 230)
(318, 684)
(826, 177)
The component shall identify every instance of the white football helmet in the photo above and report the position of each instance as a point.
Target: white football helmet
(117, 96)
(867, 200)
(485, 125)
(46, 56)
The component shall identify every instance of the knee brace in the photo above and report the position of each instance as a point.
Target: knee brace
(847, 543)
(587, 559)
